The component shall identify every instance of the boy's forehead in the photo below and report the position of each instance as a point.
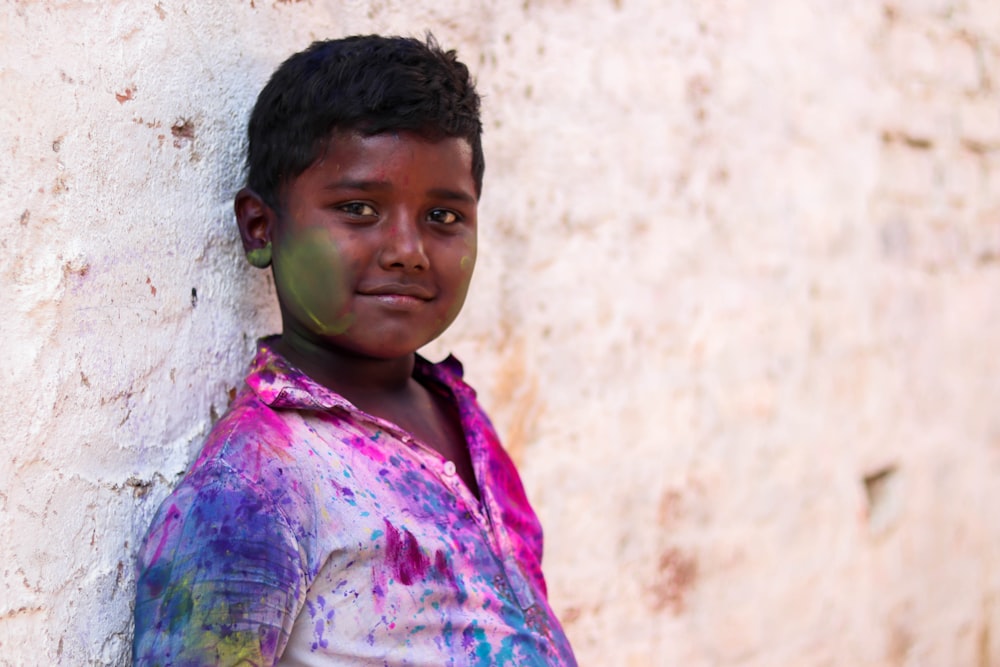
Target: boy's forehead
(340, 137)
(361, 156)
(358, 147)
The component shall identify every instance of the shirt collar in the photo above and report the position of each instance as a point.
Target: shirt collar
(278, 384)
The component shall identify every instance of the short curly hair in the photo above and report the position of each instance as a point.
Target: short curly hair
(366, 83)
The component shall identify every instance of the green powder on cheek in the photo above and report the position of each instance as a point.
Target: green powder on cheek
(312, 280)
(466, 264)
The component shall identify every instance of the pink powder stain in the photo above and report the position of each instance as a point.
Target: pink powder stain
(403, 555)
(370, 447)
(173, 514)
(441, 563)
(444, 569)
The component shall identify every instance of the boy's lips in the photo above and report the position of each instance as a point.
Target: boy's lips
(398, 289)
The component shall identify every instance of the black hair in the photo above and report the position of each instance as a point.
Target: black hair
(369, 84)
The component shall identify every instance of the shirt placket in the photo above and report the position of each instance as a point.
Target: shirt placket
(518, 585)
(485, 512)
(447, 473)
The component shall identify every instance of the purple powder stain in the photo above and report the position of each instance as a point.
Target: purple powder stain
(468, 641)
(268, 640)
(321, 641)
(403, 555)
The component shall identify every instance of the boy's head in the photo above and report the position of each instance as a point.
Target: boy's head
(365, 171)
(366, 84)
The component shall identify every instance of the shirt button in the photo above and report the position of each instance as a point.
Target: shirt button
(449, 468)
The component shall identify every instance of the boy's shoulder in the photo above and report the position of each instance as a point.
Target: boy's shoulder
(449, 372)
(277, 384)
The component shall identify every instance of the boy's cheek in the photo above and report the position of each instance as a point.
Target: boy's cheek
(468, 261)
(466, 264)
(312, 279)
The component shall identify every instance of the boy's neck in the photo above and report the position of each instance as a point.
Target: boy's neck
(356, 378)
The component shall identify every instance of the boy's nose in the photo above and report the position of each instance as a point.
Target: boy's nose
(403, 245)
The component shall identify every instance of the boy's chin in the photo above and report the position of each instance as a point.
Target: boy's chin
(388, 350)
(377, 347)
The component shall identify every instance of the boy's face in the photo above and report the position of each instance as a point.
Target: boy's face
(374, 249)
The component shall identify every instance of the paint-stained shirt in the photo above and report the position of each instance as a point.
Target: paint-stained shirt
(309, 532)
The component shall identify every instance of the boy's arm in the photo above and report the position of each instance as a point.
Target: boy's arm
(220, 577)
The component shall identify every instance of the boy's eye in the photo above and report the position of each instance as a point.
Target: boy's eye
(357, 208)
(443, 215)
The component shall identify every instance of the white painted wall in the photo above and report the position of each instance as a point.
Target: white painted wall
(736, 258)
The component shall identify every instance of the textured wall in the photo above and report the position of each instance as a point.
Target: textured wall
(737, 312)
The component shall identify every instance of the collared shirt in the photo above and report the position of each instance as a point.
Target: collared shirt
(309, 532)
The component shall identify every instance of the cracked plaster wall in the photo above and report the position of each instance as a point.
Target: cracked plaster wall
(737, 312)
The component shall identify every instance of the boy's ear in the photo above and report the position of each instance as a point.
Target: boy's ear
(255, 219)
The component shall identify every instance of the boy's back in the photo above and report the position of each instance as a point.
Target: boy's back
(354, 505)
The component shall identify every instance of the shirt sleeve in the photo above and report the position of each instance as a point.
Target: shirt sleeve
(220, 576)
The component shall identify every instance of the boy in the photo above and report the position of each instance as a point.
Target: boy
(354, 506)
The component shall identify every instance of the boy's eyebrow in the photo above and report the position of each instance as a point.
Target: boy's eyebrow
(455, 195)
(370, 186)
(353, 184)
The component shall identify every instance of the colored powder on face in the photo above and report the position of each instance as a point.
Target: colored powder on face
(466, 264)
(312, 279)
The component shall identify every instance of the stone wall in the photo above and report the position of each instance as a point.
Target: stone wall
(737, 313)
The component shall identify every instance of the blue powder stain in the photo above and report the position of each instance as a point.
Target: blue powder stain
(483, 653)
(505, 655)
(446, 633)
(377, 534)
(474, 637)
(155, 579)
